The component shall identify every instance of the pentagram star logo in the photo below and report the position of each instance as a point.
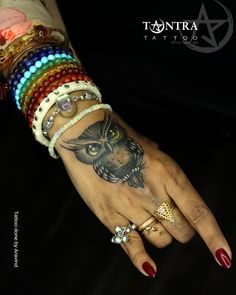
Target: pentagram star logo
(157, 28)
(208, 42)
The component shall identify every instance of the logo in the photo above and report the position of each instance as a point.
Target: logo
(157, 28)
(209, 32)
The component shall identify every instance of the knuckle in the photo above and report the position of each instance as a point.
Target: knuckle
(198, 214)
(107, 215)
(173, 177)
(129, 200)
(153, 200)
(107, 219)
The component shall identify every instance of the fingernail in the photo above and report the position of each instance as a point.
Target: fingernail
(149, 269)
(223, 258)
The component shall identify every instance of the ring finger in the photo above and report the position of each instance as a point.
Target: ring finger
(134, 247)
(158, 236)
(155, 233)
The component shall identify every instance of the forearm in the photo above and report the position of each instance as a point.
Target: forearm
(55, 13)
(39, 63)
(25, 23)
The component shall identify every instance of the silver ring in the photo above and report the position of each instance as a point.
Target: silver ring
(121, 233)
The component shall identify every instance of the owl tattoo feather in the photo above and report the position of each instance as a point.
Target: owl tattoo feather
(115, 157)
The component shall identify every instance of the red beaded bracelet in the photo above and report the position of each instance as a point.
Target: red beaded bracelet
(49, 85)
(44, 91)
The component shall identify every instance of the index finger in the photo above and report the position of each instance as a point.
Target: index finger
(199, 216)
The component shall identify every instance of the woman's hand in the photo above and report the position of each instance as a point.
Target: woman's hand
(124, 179)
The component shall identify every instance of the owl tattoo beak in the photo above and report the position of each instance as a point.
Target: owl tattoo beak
(108, 146)
(114, 156)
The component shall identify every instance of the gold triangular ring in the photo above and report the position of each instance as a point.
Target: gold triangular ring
(165, 212)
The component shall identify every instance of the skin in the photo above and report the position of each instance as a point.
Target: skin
(118, 203)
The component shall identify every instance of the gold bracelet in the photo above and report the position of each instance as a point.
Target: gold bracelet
(37, 36)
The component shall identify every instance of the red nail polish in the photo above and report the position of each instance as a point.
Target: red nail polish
(149, 269)
(223, 258)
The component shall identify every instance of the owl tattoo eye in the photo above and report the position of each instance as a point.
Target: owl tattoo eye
(93, 149)
(113, 134)
(114, 156)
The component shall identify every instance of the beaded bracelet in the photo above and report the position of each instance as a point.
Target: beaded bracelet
(66, 105)
(32, 57)
(34, 86)
(28, 62)
(50, 100)
(71, 123)
(34, 102)
(50, 85)
(15, 82)
(33, 70)
(17, 88)
(43, 63)
(57, 69)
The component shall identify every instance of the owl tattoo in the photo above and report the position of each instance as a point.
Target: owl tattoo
(115, 157)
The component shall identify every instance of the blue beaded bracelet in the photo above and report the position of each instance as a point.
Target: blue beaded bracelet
(33, 69)
(30, 60)
(20, 90)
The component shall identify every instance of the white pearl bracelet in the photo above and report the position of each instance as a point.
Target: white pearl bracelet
(50, 100)
(71, 123)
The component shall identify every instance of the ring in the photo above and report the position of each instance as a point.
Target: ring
(147, 223)
(150, 229)
(121, 233)
(148, 226)
(164, 212)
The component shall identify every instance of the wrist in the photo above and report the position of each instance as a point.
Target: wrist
(58, 134)
(79, 127)
(60, 119)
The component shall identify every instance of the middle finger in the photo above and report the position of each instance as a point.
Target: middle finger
(179, 227)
